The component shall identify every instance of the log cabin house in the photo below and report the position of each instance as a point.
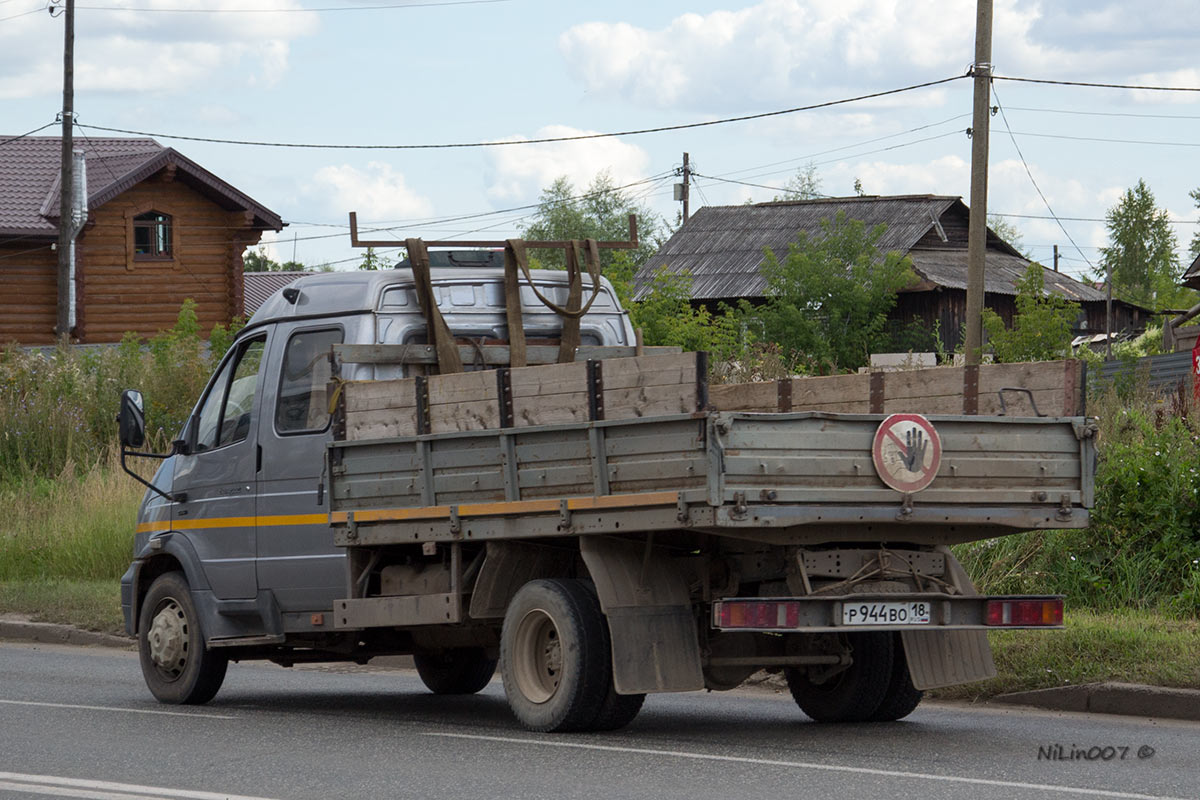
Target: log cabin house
(722, 249)
(160, 229)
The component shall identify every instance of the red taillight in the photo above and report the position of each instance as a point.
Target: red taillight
(1025, 613)
(758, 614)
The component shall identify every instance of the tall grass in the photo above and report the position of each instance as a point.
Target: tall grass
(58, 407)
(1142, 549)
(76, 526)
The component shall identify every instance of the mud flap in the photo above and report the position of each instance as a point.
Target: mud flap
(947, 658)
(644, 595)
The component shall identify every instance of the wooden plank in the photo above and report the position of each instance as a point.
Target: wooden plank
(381, 423)
(493, 354)
(550, 409)
(761, 396)
(383, 394)
(463, 387)
(849, 392)
(627, 373)
(648, 401)
(473, 415)
(550, 379)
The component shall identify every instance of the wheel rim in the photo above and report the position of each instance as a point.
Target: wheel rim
(168, 639)
(537, 656)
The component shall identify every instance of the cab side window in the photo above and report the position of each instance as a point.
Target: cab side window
(303, 404)
(226, 413)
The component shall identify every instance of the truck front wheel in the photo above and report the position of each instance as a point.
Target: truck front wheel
(175, 663)
(464, 670)
(855, 693)
(554, 657)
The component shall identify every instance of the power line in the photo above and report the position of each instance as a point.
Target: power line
(1083, 219)
(848, 146)
(23, 14)
(1098, 85)
(1029, 172)
(1104, 113)
(1110, 141)
(289, 10)
(546, 140)
(29, 133)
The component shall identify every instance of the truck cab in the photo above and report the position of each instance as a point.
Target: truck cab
(239, 511)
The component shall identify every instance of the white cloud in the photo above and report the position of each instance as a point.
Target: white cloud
(519, 173)
(164, 50)
(376, 193)
(788, 52)
(785, 51)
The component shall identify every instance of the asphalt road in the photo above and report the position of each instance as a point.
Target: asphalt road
(78, 722)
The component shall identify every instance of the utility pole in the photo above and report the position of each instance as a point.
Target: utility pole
(65, 223)
(1108, 311)
(977, 230)
(1056, 258)
(682, 189)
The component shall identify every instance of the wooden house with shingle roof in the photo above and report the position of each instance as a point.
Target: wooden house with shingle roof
(160, 229)
(722, 248)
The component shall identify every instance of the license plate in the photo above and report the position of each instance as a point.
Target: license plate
(915, 613)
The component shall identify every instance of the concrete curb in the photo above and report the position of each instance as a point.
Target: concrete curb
(1128, 699)
(51, 633)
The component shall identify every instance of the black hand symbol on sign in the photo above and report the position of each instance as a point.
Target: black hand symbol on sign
(914, 456)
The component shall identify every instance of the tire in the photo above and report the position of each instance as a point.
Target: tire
(178, 668)
(554, 657)
(855, 693)
(902, 698)
(463, 670)
(617, 711)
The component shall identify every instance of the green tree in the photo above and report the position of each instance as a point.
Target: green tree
(1042, 328)
(804, 185)
(667, 317)
(257, 260)
(1141, 252)
(373, 261)
(600, 212)
(1009, 233)
(829, 298)
(1194, 250)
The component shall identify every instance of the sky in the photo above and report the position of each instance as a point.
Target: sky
(440, 71)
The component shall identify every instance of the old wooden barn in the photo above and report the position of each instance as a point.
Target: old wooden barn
(722, 248)
(160, 229)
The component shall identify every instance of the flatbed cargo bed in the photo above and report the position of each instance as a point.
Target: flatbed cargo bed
(780, 478)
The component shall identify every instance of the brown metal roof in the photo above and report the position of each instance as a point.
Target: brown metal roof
(258, 286)
(722, 246)
(30, 171)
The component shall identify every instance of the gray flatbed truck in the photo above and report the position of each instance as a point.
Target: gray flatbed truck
(601, 528)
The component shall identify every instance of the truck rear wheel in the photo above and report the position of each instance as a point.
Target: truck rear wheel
(175, 663)
(902, 698)
(855, 693)
(464, 670)
(554, 657)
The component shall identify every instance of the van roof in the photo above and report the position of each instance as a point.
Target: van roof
(356, 292)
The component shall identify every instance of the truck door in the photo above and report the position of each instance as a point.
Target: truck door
(219, 474)
(297, 560)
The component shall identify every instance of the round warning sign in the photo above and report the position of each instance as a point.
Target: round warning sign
(907, 452)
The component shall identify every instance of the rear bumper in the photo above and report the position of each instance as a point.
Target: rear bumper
(885, 612)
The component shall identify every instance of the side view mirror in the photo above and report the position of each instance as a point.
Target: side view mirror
(131, 419)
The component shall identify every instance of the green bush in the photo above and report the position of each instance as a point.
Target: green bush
(58, 406)
(1142, 549)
